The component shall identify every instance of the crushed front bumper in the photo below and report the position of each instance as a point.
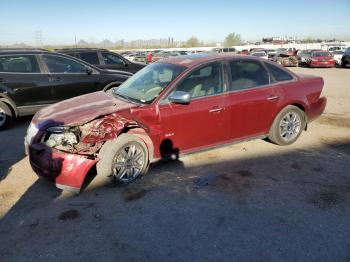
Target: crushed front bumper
(67, 170)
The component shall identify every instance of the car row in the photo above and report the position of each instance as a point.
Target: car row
(33, 79)
(171, 107)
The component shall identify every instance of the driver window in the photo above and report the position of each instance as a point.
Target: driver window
(58, 64)
(203, 82)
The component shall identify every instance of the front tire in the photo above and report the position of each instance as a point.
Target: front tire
(123, 160)
(287, 126)
(5, 115)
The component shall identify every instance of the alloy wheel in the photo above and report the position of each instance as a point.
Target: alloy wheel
(128, 162)
(2, 117)
(290, 126)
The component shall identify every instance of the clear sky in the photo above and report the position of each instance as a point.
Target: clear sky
(60, 21)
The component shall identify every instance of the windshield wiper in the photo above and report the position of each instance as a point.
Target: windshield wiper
(132, 100)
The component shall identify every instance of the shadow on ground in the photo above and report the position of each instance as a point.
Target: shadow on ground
(9, 155)
(293, 206)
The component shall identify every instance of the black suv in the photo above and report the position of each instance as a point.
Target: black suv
(103, 58)
(32, 79)
(345, 60)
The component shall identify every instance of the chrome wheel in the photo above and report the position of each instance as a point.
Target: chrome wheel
(128, 162)
(2, 117)
(290, 126)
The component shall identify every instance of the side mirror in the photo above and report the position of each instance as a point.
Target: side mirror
(180, 97)
(88, 70)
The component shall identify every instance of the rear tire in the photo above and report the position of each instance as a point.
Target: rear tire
(287, 126)
(123, 160)
(5, 115)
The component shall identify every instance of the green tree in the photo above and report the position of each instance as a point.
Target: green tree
(192, 42)
(232, 39)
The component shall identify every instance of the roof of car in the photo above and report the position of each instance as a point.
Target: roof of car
(197, 59)
(22, 50)
(79, 49)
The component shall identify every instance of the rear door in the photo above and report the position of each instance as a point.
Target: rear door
(254, 100)
(202, 122)
(23, 80)
(69, 78)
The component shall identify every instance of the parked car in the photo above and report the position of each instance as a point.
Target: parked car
(337, 55)
(271, 53)
(140, 57)
(345, 60)
(223, 50)
(260, 54)
(303, 56)
(175, 106)
(33, 79)
(321, 59)
(104, 59)
(129, 56)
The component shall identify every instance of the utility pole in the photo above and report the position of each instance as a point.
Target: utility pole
(75, 40)
(38, 38)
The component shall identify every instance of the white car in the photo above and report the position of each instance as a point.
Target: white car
(337, 55)
(260, 54)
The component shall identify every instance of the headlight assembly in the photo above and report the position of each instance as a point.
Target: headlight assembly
(61, 137)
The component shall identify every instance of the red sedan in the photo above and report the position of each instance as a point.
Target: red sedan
(174, 106)
(321, 59)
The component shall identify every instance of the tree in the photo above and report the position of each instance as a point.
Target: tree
(232, 39)
(192, 42)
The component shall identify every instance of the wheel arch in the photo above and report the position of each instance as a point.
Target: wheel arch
(142, 134)
(10, 103)
(297, 104)
(112, 84)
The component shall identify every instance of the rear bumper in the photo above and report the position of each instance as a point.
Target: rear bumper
(65, 169)
(316, 109)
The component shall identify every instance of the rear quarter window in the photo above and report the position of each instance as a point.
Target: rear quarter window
(278, 73)
(246, 74)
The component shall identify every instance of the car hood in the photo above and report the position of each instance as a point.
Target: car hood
(80, 110)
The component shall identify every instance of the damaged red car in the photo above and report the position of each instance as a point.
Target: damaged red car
(175, 106)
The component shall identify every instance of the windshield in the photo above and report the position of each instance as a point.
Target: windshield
(148, 83)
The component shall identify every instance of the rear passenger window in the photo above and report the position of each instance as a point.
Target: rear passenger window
(58, 64)
(19, 64)
(247, 74)
(91, 58)
(278, 73)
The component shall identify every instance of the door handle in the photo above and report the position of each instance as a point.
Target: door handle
(272, 98)
(216, 109)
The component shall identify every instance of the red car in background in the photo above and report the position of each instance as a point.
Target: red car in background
(321, 59)
(174, 106)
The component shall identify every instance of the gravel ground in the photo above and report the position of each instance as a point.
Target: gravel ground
(253, 201)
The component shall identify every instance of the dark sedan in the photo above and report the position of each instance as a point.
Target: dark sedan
(104, 59)
(33, 79)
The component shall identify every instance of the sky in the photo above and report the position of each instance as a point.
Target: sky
(61, 21)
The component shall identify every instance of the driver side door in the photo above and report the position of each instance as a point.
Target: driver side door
(204, 121)
(69, 78)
